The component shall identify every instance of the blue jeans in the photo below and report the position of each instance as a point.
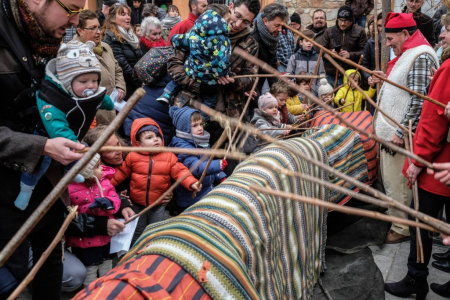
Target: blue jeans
(172, 88)
(361, 21)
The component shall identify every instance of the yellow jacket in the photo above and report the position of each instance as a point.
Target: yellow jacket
(294, 105)
(353, 95)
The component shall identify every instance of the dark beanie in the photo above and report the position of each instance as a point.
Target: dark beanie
(151, 128)
(345, 12)
(296, 18)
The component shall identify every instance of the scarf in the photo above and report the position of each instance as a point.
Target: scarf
(129, 36)
(98, 49)
(237, 36)
(271, 119)
(200, 140)
(149, 44)
(168, 22)
(43, 48)
(268, 39)
(415, 40)
(284, 114)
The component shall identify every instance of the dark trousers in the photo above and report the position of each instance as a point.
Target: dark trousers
(47, 283)
(429, 204)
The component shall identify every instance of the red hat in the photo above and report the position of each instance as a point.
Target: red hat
(397, 22)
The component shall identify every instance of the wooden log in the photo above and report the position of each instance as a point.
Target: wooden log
(285, 75)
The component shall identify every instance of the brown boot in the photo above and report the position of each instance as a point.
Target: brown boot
(393, 237)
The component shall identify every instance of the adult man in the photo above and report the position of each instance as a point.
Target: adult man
(196, 8)
(231, 97)
(136, 12)
(410, 68)
(319, 25)
(361, 8)
(104, 12)
(286, 47)
(346, 39)
(267, 34)
(30, 34)
(424, 23)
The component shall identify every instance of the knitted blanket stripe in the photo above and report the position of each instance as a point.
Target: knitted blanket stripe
(362, 119)
(345, 153)
(259, 246)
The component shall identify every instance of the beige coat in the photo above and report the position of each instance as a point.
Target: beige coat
(112, 77)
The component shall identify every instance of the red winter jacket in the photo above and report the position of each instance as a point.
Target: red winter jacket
(430, 140)
(183, 26)
(150, 172)
(83, 196)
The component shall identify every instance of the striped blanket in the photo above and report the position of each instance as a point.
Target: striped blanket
(362, 119)
(256, 246)
(345, 153)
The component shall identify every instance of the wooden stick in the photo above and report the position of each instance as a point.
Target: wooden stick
(45, 205)
(45, 254)
(343, 209)
(377, 57)
(316, 68)
(364, 93)
(217, 145)
(199, 151)
(335, 109)
(267, 68)
(224, 121)
(316, 108)
(356, 72)
(285, 75)
(353, 64)
(335, 78)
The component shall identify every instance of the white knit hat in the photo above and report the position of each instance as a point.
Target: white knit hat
(88, 171)
(266, 100)
(74, 59)
(325, 87)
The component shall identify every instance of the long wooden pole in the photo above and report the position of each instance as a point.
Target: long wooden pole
(356, 72)
(269, 69)
(377, 51)
(312, 77)
(353, 64)
(316, 68)
(45, 254)
(47, 203)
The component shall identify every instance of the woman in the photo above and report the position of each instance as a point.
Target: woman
(118, 34)
(151, 34)
(88, 29)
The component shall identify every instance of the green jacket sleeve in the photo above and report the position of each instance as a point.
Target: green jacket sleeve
(107, 103)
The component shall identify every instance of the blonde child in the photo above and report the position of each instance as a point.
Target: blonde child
(348, 94)
(280, 91)
(137, 30)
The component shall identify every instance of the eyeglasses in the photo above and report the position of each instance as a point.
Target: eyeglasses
(70, 13)
(239, 17)
(95, 29)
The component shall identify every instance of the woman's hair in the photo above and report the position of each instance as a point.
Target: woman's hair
(221, 9)
(196, 116)
(109, 25)
(94, 134)
(148, 24)
(280, 88)
(150, 10)
(86, 15)
(173, 8)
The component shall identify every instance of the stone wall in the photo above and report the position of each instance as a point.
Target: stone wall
(305, 9)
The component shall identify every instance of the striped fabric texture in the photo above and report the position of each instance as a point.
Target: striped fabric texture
(362, 119)
(345, 153)
(258, 246)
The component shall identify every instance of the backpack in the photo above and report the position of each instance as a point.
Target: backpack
(153, 65)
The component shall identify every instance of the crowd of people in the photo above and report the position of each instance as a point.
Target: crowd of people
(60, 97)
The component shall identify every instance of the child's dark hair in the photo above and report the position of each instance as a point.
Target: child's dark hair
(279, 88)
(173, 8)
(308, 33)
(221, 9)
(196, 116)
(135, 27)
(303, 80)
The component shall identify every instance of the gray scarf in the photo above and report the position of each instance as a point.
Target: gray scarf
(129, 36)
(268, 39)
(168, 22)
(200, 140)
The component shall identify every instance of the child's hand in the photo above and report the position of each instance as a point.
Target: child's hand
(114, 227)
(167, 199)
(127, 213)
(288, 127)
(305, 107)
(301, 117)
(195, 187)
(286, 132)
(342, 101)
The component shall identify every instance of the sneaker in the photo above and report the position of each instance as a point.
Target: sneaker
(393, 237)
(164, 99)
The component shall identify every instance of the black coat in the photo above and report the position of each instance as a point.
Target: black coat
(20, 150)
(425, 25)
(443, 10)
(369, 56)
(136, 15)
(127, 57)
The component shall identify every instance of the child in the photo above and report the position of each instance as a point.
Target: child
(305, 60)
(209, 56)
(150, 173)
(96, 196)
(137, 30)
(348, 94)
(298, 104)
(68, 100)
(190, 134)
(325, 93)
(266, 117)
(280, 91)
(171, 19)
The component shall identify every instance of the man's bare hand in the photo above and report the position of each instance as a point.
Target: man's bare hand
(60, 149)
(127, 213)
(344, 54)
(441, 172)
(114, 227)
(225, 80)
(121, 95)
(247, 94)
(397, 141)
(376, 80)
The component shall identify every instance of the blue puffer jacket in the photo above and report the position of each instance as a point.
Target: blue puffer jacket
(214, 174)
(148, 107)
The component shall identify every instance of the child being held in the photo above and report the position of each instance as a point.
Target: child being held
(348, 94)
(280, 90)
(209, 50)
(150, 173)
(96, 196)
(67, 101)
(190, 134)
(298, 104)
(266, 117)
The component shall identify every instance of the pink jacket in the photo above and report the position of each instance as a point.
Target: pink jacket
(83, 196)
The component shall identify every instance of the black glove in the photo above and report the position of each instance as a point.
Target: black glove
(103, 203)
